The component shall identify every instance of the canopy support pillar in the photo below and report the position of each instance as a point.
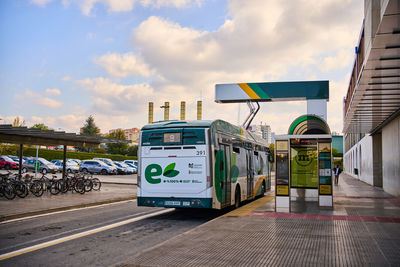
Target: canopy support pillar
(21, 147)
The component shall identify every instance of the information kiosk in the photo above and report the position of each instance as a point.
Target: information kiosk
(304, 163)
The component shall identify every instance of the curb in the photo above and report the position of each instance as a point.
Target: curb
(83, 205)
(119, 183)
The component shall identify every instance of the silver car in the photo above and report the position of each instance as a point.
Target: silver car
(95, 166)
(71, 166)
(42, 165)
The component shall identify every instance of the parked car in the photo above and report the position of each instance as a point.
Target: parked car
(131, 161)
(71, 166)
(7, 163)
(42, 165)
(26, 158)
(105, 160)
(132, 166)
(129, 169)
(120, 170)
(109, 162)
(78, 161)
(96, 166)
(14, 158)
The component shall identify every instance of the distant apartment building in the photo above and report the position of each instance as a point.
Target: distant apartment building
(264, 131)
(131, 134)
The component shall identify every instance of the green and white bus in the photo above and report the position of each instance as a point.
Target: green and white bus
(200, 164)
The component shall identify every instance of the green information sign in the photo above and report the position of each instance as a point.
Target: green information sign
(304, 167)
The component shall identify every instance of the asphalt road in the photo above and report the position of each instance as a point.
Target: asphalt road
(108, 246)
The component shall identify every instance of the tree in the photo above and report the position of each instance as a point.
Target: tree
(18, 122)
(41, 126)
(117, 148)
(132, 150)
(90, 128)
(335, 153)
(272, 150)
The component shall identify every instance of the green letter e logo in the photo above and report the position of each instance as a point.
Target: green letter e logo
(151, 171)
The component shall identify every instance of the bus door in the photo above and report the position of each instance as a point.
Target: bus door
(250, 173)
(226, 183)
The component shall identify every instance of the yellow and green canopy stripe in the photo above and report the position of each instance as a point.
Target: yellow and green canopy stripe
(271, 91)
(253, 91)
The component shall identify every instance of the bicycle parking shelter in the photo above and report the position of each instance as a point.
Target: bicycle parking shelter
(26, 136)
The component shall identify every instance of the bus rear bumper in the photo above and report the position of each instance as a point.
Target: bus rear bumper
(203, 203)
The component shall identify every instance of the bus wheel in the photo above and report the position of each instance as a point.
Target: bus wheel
(237, 197)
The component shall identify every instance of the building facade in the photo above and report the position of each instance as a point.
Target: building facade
(131, 134)
(264, 131)
(371, 107)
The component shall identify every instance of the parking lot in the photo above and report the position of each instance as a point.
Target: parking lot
(116, 179)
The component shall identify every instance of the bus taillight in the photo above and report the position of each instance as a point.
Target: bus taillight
(208, 181)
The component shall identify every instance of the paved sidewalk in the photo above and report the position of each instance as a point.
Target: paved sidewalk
(363, 229)
(31, 205)
(118, 179)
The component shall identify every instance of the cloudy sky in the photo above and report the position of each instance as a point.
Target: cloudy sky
(63, 60)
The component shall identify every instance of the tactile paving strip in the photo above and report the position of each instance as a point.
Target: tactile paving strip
(250, 241)
(326, 217)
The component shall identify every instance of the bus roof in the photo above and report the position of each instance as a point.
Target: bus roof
(177, 124)
(217, 125)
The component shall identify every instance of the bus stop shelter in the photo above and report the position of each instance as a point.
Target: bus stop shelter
(304, 163)
(26, 136)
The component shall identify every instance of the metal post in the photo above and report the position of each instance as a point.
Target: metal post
(21, 146)
(64, 161)
(36, 161)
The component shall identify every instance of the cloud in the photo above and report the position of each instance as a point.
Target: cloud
(48, 102)
(54, 91)
(87, 6)
(41, 3)
(169, 3)
(66, 78)
(39, 98)
(112, 98)
(259, 41)
(68, 123)
(341, 60)
(118, 65)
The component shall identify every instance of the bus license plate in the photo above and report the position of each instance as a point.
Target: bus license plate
(172, 203)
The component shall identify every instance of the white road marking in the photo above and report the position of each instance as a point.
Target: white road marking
(78, 235)
(78, 229)
(125, 233)
(62, 211)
